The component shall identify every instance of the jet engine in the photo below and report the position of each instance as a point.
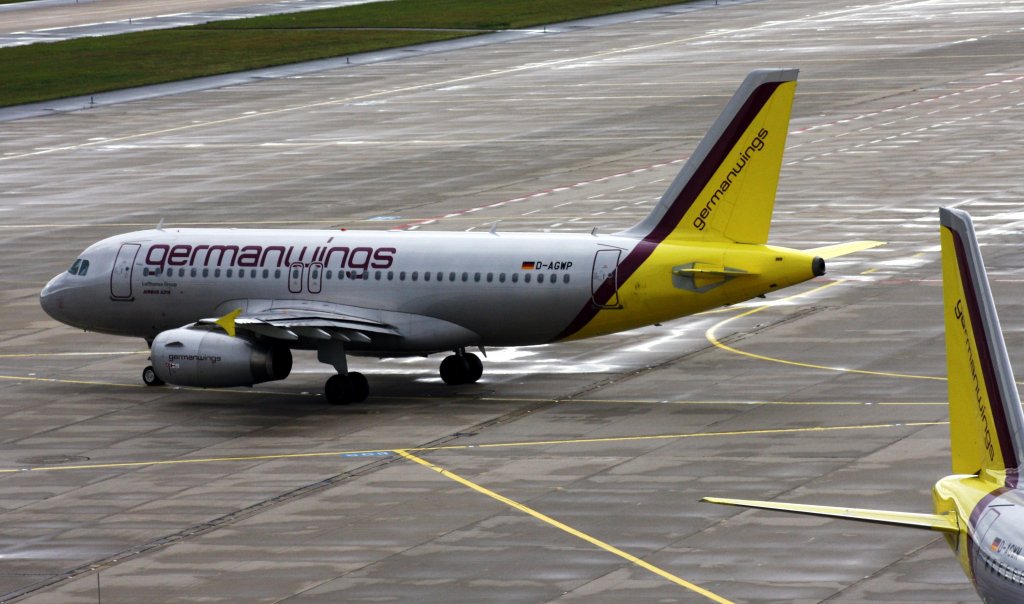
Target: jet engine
(211, 359)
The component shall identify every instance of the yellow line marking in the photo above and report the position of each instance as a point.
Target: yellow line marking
(711, 337)
(680, 436)
(565, 528)
(544, 443)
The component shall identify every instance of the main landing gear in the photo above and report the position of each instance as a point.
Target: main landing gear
(461, 368)
(346, 388)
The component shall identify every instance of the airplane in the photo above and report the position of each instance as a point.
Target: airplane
(224, 307)
(980, 508)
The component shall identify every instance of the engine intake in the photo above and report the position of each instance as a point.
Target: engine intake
(210, 359)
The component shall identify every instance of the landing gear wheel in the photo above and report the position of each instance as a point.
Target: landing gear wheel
(344, 389)
(358, 387)
(455, 370)
(475, 367)
(150, 378)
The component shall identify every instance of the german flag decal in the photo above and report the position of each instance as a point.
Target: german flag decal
(529, 266)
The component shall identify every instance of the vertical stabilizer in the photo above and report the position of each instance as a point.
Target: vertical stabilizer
(726, 190)
(986, 422)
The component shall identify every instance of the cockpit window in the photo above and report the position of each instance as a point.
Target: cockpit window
(80, 267)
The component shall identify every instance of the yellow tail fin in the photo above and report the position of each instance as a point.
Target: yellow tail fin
(726, 191)
(986, 422)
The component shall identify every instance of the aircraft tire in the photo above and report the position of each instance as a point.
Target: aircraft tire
(336, 390)
(454, 370)
(357, 387)
(150, 378)
(475, 366)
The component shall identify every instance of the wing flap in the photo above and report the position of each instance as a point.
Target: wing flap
(290, 324)
(945, 523)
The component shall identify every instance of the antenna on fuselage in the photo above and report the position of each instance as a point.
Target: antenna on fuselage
(160, 225)
(494, 227)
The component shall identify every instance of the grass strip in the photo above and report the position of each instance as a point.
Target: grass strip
(82, 66)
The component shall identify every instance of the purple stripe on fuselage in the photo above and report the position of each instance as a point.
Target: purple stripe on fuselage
(682, 204)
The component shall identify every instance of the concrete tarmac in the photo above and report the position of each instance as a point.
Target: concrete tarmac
(571, 471)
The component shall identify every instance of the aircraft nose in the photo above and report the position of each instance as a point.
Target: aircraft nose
(51, 298)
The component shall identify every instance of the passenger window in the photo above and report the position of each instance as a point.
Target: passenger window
(476, 276)
(526, 277)
(230, 273)
(253, 273)
(451, 276)
(490, 277)
(401, 276)
(216, 272)
(565, 278)
(328, 274)
(501, 277)
(415, 275)
(206, 272)
(426, 276)
(540, 278)
(277, 273)
(391, 275)
(266, 273)
(465, 277)
(440, 276)
(316, 274)
(515, 277)
(377, 275)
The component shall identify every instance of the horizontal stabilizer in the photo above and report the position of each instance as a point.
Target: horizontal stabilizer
(842, 249)
(934, 522)
(697, 269)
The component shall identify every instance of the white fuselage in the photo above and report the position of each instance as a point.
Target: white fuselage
(502, 289)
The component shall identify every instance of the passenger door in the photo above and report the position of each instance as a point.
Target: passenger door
(121, 275)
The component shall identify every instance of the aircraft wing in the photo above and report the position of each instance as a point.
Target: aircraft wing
(290, 324)
(945, 523)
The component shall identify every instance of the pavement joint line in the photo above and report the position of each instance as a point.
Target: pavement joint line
(509, 399)
(710, 334)
(26, 378)
(564, 527)
(70, 354)
(431, 85)
(546, 443)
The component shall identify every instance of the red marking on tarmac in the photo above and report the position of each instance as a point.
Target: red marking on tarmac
(424, 221)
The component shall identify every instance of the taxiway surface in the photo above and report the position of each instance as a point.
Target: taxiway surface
(571, 471)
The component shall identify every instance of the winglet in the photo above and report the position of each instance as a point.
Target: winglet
(945, 523)
(227, 322)
(986, 421)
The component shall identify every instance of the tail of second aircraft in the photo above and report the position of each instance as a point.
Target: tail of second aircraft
(726, 191)
(986, 422)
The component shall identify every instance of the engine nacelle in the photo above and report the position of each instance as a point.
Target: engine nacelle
(211, 359)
